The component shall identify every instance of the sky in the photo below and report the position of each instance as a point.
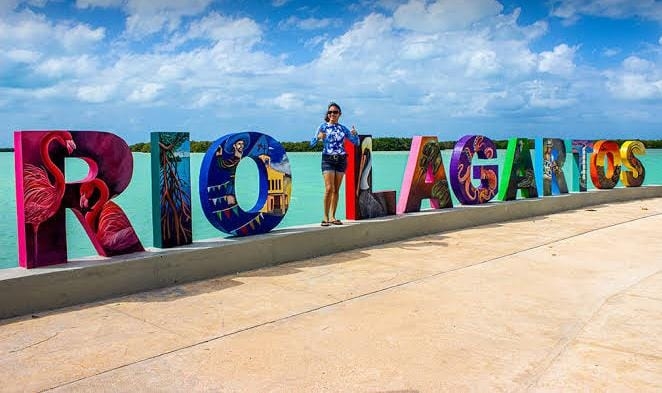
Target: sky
(398, 68)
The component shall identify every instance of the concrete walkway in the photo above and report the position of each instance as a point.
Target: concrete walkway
(568, 302)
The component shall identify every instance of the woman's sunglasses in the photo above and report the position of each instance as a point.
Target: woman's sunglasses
(333, 113)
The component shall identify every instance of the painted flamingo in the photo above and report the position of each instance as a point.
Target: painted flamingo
(42, 198)
(109, 223)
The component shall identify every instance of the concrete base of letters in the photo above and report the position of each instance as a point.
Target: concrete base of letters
(27, 291)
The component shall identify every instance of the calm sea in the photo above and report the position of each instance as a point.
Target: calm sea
(305, 207)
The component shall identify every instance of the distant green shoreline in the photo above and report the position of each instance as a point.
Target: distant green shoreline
(378, 144)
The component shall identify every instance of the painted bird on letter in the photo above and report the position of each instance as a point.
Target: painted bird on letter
(43, 197)
(107, 220)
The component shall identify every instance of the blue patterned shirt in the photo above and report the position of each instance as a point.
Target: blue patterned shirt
(335, 136)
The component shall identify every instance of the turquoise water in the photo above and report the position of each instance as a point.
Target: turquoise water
(305, 207)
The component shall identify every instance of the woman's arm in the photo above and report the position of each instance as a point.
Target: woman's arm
(353, 135)
(319, 135)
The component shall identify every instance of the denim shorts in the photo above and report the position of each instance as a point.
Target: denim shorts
(334, 163)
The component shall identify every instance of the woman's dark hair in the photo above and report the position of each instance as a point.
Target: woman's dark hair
(326, 115)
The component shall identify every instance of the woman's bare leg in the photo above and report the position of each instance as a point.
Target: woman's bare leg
(329, 189)
(337, 181)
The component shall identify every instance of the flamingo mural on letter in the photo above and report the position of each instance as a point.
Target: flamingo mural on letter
(41, 196)
(107, 220)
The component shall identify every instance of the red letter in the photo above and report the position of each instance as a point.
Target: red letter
(605, 178)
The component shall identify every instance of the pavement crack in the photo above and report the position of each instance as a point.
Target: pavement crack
(35, 344)
(654, 357)
(574, 335)
(115, 309)
(657, 299)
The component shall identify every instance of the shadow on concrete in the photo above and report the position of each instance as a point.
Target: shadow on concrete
(296, 266)
(195, 288)
(165, 294)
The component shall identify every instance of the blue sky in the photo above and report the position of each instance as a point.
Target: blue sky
(565, 68)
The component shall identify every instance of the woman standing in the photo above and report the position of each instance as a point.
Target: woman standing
(334, 159)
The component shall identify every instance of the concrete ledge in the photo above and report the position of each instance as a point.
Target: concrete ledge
(27, 291)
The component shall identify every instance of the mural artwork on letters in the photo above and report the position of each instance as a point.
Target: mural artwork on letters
(360, 201)
(424, 177)
(461, 173)
(551, 157)
(171, 189)
(605, 178)
(42, 194)
(634, 177)
(581, 149)
(518, 172)
(217, 183)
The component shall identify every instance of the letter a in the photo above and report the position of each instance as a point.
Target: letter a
(424, 177)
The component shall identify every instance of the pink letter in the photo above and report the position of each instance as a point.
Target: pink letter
(424, 177)
(42, 194)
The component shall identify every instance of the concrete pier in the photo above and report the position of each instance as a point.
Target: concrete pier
(549, 302)
(26, 291)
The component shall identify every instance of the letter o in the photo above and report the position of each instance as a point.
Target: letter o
(605, 178)
(217, 183)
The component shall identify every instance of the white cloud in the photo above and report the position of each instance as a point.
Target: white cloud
(429, 63)
(637, 64)
(7, 6)
(215, 27)
(28, 31)
(418, 46)
(147, 16)
(611, 52)
(145, 93)
(83, 4)
(78, 36)
(444, 15)
(95, 93)
(637, 79)
(368, 38)
(288, 101)
(57, 67)
(37, 3)
(307, 23)
(571, 10)
(631, 86)
(24, 30)
(315, 41)
(560, 61)
(23, 56)
(547, 95)
(206, 98)
(482, 62)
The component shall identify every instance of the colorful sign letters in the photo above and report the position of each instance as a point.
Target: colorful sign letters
(425, 177)
(217, 183)
(461, 170)
(518, 172)
(43, 194)
(360, 201)
(172, 220)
